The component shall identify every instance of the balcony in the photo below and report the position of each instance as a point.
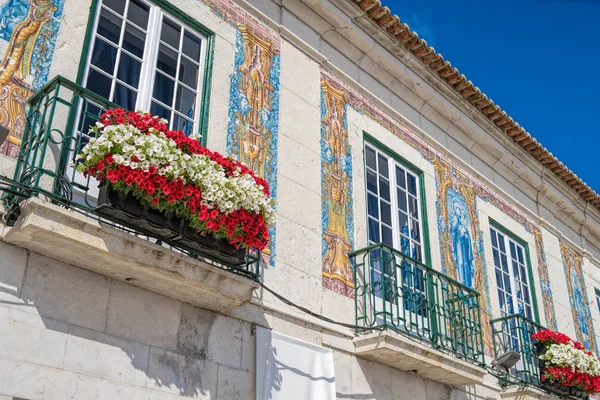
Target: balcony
(51, 209)
(514, 333)
(423, 320)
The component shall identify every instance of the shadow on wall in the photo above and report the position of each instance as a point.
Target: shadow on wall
(109, 324)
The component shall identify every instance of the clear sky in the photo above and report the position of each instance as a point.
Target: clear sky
(539, 60)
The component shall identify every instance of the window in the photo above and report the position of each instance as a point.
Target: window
(395, 219)
(512, 279)
(143, 58)
(598, 299)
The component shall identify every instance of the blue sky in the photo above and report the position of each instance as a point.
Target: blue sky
(537, 59)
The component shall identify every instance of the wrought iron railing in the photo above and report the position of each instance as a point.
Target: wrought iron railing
(394, 291)
(514, 333)
(56, 130)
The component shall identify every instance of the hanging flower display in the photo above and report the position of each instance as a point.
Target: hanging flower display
(135, 153)
(567, 364)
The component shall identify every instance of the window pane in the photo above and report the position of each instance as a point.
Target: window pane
(417, 253)
(138, 13)
(374, 231)
(133, 41)
(383, 165)
(182, 124)
(400, 177)
(403, 223)
(125, 97)
(386, 236)
(494, 240)
(104, 56)
(501, 243)
(372, 206)
(402, 200)
(163, 112)
(386, 213)
(129, 70)
(520, 254)
(371, 158)
(416, 232)
(109, 26)
(164, 89)
(413, 207)
(188, 73)
(167, 60)
(185, 101)
(116, 5)
(384, 188)
(371, 182)
(170, 33)
(191, 46)
(99, 83)
(412, 185)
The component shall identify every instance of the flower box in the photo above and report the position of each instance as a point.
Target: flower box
(168, 185)
(566, 368)
(126, 208)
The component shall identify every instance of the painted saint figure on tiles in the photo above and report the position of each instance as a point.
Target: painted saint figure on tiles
(462, 250)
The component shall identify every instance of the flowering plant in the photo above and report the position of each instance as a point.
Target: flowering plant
(135, 153)
(568, 363)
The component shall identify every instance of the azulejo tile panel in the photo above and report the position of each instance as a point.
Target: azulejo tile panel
(582, 317)
(457, 215)
(336, 191)
(254, 111)
(28, 31)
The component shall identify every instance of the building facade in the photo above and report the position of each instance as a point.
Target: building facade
(425, 232)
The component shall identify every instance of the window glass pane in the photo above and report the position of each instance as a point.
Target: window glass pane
(185, 101)
(412, 185)
(129, 70)
(191, 46)
(117, 6)
(371, 158)
(371, 182)
(167, 60)
(383, 165)
(413, 207)
(415, 232)
(494, 240)
(374, 231)
(125, 97)
(164, 88)
(417, 253)
(133, 41)
(170, 33)
(501, 243)
(188, 73)
(163, 112)
(513, 252)
(372, 208)
(402, 200)
(403, 223)
(386, 236)
(98, 83)
(504, 263)
(138, 13)
(182, 124)
(384, 187)
(386, 213)
(104, 56)
(109, 26)
(400, 177)
(520, 254)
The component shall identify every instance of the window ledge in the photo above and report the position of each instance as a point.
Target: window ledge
(406, 354)
(525, 393)
(76, 239)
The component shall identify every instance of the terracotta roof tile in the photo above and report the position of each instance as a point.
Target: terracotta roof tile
(435, 62)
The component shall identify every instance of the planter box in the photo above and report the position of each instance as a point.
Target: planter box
(556, 387)
(127, 209)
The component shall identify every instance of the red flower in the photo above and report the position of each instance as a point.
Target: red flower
(171, 198)
(214, 214)
(155, 200)
(109, 159)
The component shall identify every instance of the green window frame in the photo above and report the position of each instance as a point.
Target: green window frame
(188, 24)
(494, 225)
(369, 140)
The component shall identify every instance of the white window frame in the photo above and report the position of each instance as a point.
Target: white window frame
(514, 280)
(149, 58)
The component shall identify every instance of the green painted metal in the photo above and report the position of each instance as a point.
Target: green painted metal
(525, 245)
(514, 333)
(192, 23)
(415, 300)
(57, 115)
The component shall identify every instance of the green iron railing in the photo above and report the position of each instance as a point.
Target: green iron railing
(56, 130)
(514, 333)
(394, 291)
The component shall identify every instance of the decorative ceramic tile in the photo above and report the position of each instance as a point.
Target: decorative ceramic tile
(336, 191)
(254, 111)
(28, 33)
(582, 317)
